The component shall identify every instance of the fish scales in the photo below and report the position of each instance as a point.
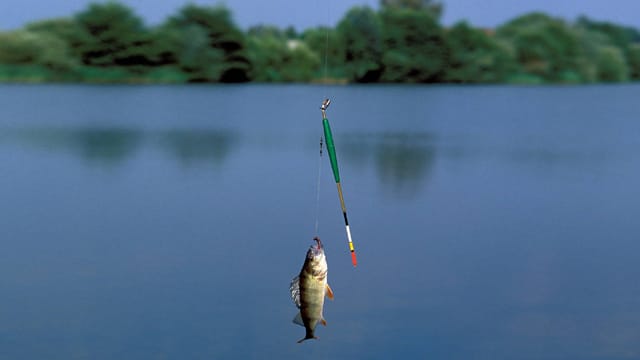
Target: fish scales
(309, 289)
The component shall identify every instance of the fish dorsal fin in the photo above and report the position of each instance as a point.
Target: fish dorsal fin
(298, 319)
(294, 289)
(329, 292)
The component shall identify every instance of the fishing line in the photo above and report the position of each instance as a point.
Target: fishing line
(326, 49)
(324, 80)
(318, 189)
(331, 151)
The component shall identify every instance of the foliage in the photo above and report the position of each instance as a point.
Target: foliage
(65, 29)
(434, 8)
(620, 36)
(476, 57)
(19, 47)
(328, 46)
(611, 65)
(24, 47)
(277, 58)
(414, 46)
(609, 37)
(401, 41)
(205, 42)
(361, 34)
(544, 46)
(112, 35)
(633, 61)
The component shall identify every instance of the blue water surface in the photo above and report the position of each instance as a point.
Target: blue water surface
(165, 222)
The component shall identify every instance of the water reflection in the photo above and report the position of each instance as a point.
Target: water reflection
(541, 156)
(402, 160)
(113, 146)
(109, 146)
(191, 147)
(527, 233)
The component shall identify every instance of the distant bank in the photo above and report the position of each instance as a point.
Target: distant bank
(402, 42)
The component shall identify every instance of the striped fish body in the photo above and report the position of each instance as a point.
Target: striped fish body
(308, 290)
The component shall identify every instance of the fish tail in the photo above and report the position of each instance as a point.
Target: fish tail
(307, 338)
(308, 335)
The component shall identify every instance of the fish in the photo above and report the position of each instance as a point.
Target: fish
(309, 289)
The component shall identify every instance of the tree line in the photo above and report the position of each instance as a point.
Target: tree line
(401, 42)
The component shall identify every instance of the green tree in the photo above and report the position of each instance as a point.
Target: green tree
(112, 35)
(433, 7)
(197, 57)
(18, 48)
(624, 38)
(414, 46)
(361, 34)
(277, 58)
(266, 53)
(300, 62)
(633, 60)
(620, 36)
(207, 44)
(544, 46)
(611, 65)
(262, 31)
(328, 46)
(475, 57)
(66, 29)
(36, 48)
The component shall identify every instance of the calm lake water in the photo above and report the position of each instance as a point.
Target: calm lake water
(166, 222)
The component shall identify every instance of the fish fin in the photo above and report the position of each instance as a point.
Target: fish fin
(294, 289)
(329, 292)
(298, 319)
(323, 322)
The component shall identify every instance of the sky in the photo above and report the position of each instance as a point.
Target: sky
(309, 13)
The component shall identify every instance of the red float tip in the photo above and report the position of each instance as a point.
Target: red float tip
(354, 261)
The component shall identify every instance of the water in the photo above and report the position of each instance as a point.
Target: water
(166, 222)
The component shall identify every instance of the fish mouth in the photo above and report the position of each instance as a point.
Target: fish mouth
(316, 249)
(319, 243)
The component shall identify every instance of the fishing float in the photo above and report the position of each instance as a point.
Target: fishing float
(336, 174)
